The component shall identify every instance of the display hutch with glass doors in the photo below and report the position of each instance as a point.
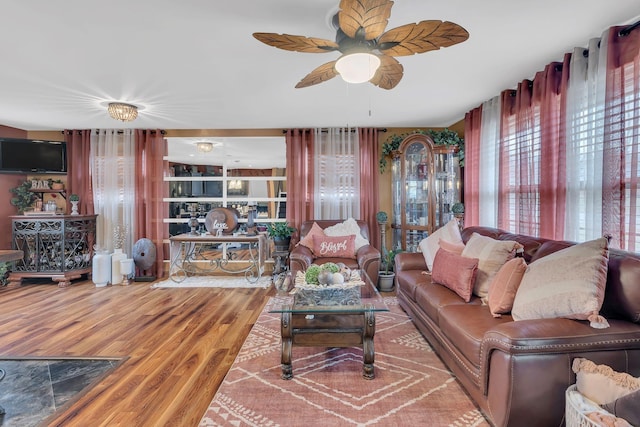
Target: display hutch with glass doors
(425, 184)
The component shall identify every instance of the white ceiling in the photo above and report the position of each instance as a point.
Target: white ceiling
(233, 152)
(193, 64)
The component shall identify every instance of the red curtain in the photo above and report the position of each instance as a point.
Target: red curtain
(78, 169)
(369, 181)
(621, 174)
(299, 176)
(472, 131)
(532, 176)
(151, 147)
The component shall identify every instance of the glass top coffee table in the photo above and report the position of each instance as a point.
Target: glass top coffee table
(333, 316)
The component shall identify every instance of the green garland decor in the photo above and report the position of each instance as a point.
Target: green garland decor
(440, 137)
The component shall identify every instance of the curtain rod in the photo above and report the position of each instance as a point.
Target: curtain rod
(163, 132)
(625, 31)
(325, 130)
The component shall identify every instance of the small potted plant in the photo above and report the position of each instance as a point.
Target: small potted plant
(56, 184)
(281, 233)
(457, 209)
(386, 275)
(23, 196)
(74, 199)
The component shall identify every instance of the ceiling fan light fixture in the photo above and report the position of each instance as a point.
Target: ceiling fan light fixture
(357, 67)
(204, 146)
(123, 112)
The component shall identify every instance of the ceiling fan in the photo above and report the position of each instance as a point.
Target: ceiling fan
(364, 44)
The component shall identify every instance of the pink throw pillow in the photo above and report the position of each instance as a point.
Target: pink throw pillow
(455, 272)
(307, 241)
(503, 287)
(455, 247)
(335, 247)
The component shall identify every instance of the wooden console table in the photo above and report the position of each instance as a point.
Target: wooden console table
(188, 255)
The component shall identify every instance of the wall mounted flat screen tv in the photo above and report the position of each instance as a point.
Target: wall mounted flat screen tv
(32, 156)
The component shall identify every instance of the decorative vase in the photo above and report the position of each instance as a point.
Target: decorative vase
(74, 207)
(116, 271)
(101, 268)
(460, 218)
(126, 268)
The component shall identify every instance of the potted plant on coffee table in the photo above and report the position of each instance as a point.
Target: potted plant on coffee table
(281, 233)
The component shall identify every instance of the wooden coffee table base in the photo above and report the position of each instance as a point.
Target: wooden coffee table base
(330, 329)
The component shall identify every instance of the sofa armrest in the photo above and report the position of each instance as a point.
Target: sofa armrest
(368, 259)
(556, 337)
(300, 258)
(410, 261)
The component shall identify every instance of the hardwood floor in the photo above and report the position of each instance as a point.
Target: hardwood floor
(178, 344)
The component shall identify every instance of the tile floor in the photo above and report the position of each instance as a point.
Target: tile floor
(33, 389)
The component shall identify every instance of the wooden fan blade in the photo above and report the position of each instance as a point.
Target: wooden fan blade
(367, 18)
(321, 74)
(388, 74)
(297, 43)
(421, 37)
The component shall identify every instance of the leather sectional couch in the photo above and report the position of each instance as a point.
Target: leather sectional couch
(517, 371)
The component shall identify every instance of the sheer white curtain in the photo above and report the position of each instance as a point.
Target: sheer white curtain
(488, 191)
(337, 177)
(113, 172)
(585, 136)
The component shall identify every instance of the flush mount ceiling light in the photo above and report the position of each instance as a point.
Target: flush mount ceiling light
(204, 146)
(123, 112)
(357, 67)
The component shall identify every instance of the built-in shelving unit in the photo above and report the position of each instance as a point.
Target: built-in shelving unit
(201, 188)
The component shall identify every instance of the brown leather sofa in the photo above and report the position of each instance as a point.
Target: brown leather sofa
(518, 371)
(367, 257)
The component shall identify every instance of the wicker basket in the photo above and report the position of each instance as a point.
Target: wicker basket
(575, 416)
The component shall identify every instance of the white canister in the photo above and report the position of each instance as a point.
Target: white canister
(116, 269)
(101, 268)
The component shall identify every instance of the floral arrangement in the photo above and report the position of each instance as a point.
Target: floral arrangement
(327, 274)
(119, 236)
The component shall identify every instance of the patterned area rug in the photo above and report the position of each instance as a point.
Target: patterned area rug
(411, 387)
(215, 282)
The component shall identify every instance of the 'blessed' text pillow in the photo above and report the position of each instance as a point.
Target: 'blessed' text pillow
(335, 247)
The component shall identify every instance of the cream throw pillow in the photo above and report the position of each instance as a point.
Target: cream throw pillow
(492, 255)
(346, 228)
(569, 283)
(600, 383)
(450, 232)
